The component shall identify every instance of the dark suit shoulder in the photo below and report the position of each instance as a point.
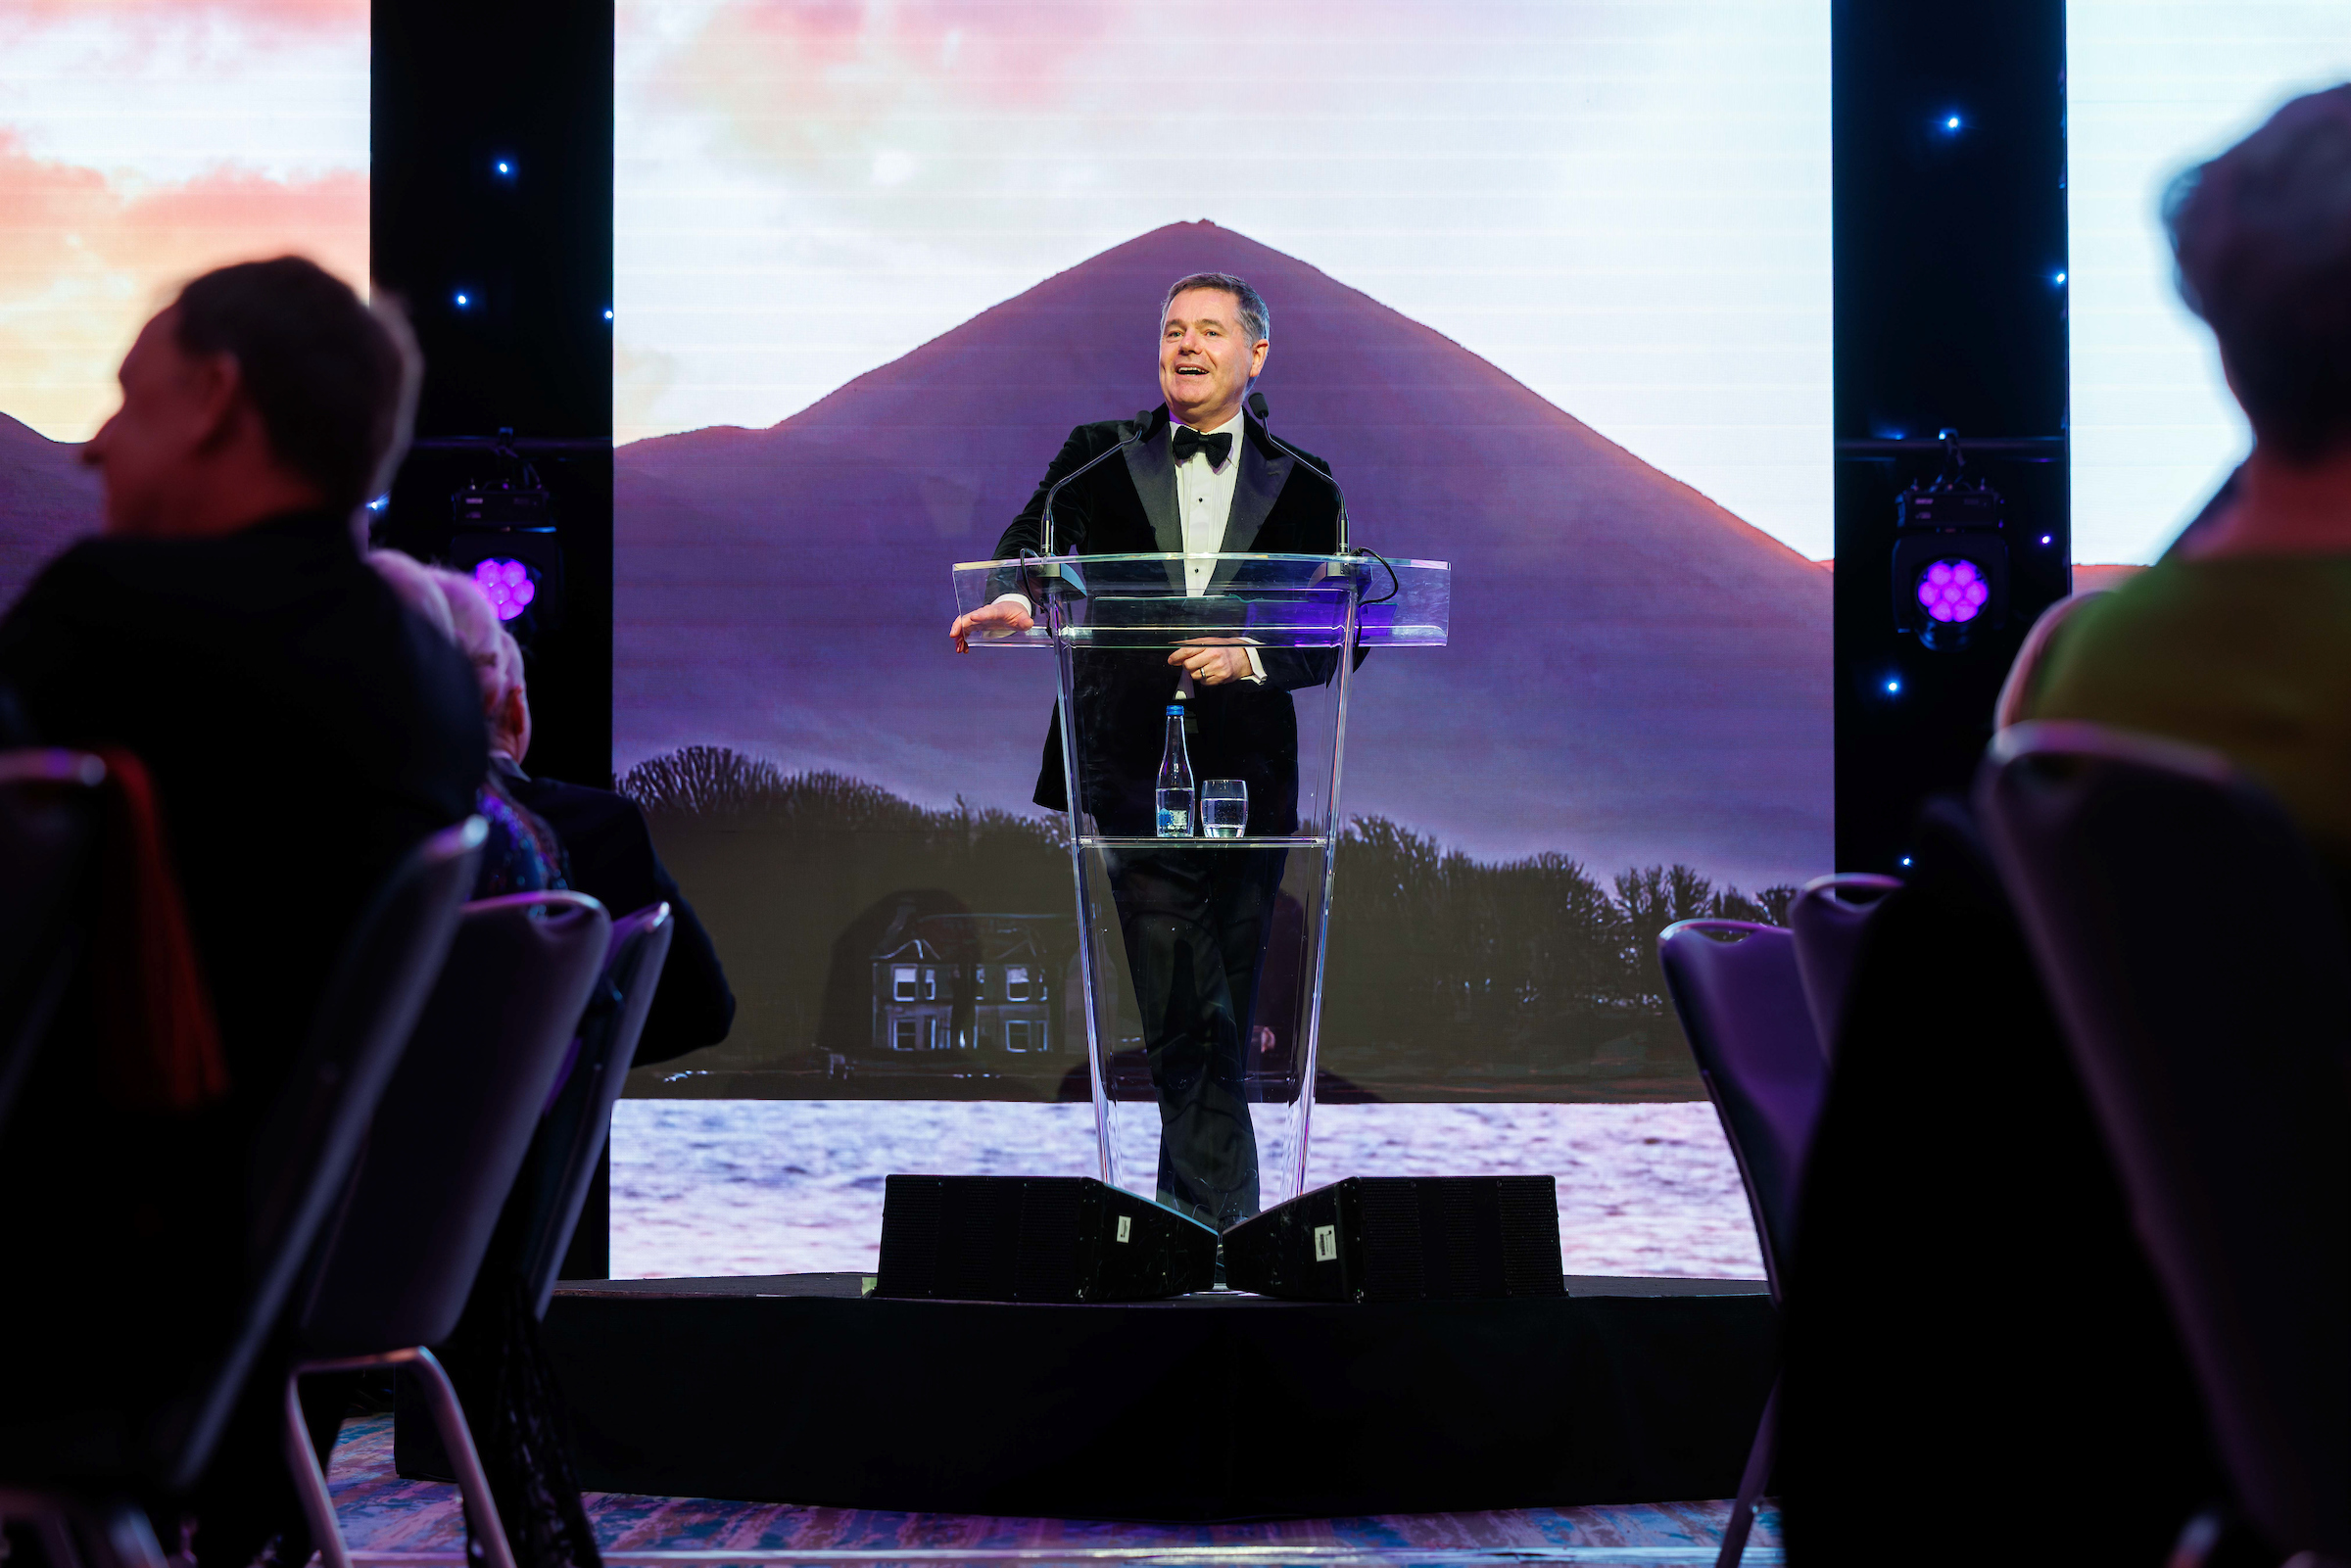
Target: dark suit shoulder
(1317, 459)
(610, 844)
(1266, 446)
(250, 568)
(1099, 435)
(1092, 513)
(93, 575)
(612, 857)
(581, 809)
(1084, 444)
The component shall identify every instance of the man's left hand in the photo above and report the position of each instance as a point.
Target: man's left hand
(1214, 660)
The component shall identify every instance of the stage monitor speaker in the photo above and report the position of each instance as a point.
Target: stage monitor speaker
(1404, 1239)
(1036, 1239)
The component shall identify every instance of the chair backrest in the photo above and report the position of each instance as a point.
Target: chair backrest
(1741, 1004)
(451, 1132)
(2198, 961)
(303, 1156)
(555, 1174)
(49, 821)
(1828, 916)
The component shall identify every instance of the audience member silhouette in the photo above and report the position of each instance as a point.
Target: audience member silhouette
(302, 733)
(601, 840)
(2240, 640)
(609, 849)
(1967, 1300)
(522, 854)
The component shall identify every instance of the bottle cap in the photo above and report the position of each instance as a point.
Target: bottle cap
(1175, 710)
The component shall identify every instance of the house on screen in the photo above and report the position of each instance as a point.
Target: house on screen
(983, 985)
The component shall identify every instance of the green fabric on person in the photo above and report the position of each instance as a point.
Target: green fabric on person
(2248, 655)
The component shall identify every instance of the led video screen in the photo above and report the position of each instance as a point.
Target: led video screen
(141, 144)
(2152, 90)
(1550, 288)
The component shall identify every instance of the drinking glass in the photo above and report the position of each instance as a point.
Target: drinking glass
(1224, 808)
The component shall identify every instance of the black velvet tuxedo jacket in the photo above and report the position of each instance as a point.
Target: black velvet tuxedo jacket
(1127, 507)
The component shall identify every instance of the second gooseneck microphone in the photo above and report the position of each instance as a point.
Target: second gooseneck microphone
(1257, 406)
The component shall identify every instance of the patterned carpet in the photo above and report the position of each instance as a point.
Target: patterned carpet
(392, 1522)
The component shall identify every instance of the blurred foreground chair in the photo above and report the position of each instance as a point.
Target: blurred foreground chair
(572, 1134)
(441, 1157)
(2197, 957)
(1741, 999)
(49, 817)
(549, 1195)
(72, 1485)
(1829, 916)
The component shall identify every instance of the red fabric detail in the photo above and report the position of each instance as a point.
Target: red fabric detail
(157, 1039)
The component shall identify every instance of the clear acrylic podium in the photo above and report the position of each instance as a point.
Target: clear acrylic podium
(1199, 965)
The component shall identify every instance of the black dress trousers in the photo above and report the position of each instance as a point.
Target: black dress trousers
(1195, 923)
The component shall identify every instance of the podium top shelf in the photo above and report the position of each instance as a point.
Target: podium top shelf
(1139, 601)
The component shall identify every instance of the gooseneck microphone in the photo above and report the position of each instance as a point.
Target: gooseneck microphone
(1257, 406)
(1143, 432)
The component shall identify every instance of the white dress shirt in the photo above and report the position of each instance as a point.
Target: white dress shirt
(1204, 500)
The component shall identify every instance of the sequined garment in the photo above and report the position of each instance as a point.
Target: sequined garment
(523, 855)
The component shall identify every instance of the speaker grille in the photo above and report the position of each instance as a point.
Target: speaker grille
(1405, 1238)
(1393, 1263)
(1036, 1239)
(1529, 1211)
(1047, 1262)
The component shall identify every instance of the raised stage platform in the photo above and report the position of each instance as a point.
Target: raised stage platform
(800, 1389)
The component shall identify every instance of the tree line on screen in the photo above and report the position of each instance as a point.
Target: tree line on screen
(1524, 979)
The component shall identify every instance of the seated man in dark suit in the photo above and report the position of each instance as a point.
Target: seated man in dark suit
(225, 630)
(612, 859)
(303, 730)
(1199, 478)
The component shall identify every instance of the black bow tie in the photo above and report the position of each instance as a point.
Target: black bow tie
(1188, 441)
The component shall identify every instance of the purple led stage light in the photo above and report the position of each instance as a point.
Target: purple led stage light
(507, 586)
(1953, 591)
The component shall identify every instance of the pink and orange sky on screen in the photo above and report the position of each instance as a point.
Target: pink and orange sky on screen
(144, 141)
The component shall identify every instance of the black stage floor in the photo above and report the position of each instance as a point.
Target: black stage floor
(800, 1389)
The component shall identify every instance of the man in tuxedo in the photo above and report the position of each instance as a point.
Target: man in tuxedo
(1195, 477)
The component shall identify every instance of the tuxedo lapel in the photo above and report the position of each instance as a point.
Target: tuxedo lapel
(1152, 468)
(1253, 490)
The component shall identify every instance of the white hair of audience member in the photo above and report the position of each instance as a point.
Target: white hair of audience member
(412, 580)
(2023, 676)
(496, 661)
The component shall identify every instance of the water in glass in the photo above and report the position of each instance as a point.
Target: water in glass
(1224, 808)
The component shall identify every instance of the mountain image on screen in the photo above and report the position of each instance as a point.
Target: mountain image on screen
(1631, 720)
(47, 501)
(1635, 675)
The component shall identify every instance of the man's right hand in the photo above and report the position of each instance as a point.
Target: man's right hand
(999, 619)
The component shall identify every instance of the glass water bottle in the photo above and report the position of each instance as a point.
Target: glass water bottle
(1175, 780)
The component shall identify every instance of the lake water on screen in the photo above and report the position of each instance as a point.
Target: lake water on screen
(711, 1187)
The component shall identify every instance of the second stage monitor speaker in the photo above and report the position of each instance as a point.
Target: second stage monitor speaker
(1404, 1239)
(1036, 1239)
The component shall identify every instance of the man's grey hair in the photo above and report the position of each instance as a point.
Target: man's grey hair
(1256, 319)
